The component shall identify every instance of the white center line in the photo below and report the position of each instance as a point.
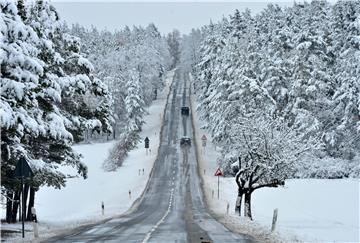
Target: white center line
(148, 235)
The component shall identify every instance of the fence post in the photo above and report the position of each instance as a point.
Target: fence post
(102, 208)
(274, 220)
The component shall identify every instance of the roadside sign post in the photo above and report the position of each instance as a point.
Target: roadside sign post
(203, 141)
(22, 171)
(218, 173)
(147, 140)
(218, 186)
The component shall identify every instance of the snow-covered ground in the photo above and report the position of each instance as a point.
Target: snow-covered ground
(309, 209)
(80, 201)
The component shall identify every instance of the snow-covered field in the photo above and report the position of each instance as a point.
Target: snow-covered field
(80, 201)
(309, 209)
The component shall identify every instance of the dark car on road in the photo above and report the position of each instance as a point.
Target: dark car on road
(185, 111)
(185, 141)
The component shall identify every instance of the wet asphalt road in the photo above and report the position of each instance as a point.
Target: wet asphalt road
(172, 208)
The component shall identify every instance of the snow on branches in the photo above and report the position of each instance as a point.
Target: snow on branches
(45, 83)
(299, 64)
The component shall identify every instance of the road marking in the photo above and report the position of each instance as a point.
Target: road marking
(148, 235)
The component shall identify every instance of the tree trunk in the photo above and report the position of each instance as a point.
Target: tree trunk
(247, 207)
(238, 201)
(9, 204)
(31, 203)
(15, 206)
(240, 188)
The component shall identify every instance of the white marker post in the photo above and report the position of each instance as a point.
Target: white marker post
(274, 220)
(34, 222)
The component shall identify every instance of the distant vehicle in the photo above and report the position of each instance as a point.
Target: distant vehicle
(185, 111)
(185, 141)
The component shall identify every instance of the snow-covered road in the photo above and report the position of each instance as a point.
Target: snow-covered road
(172, 208)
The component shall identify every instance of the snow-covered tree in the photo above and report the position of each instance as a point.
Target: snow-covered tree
(267, 151)
(173, 40)
(41, 69)
(134, 102)
(190, 53)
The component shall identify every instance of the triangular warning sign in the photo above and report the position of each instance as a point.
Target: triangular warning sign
(23, 169)
(204, 137)
(218, 172)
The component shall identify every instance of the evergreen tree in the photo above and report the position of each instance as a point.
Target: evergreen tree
(134, 102)
(41, 69)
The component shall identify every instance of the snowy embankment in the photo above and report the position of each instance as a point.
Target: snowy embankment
(80, 201)
(309, 209)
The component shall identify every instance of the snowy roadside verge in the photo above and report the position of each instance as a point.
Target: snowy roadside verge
(79, 203)
(308, 208)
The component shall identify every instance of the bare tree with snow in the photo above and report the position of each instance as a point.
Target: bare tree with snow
(268, 152)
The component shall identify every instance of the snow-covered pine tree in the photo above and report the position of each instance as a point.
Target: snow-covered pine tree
(190, 54)
(343, 135)
(35, 81)
(173, 40)
(134, 102)
(21, 70)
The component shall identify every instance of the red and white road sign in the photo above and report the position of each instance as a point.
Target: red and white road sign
(204, 138)
(219, 172)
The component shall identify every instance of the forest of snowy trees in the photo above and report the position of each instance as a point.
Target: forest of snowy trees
(298, 66)
(280, 92)
(132, 62)
(58, 89)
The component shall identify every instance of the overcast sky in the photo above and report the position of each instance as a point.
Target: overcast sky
(166, 15)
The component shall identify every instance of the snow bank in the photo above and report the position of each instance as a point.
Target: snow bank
(309, 209)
